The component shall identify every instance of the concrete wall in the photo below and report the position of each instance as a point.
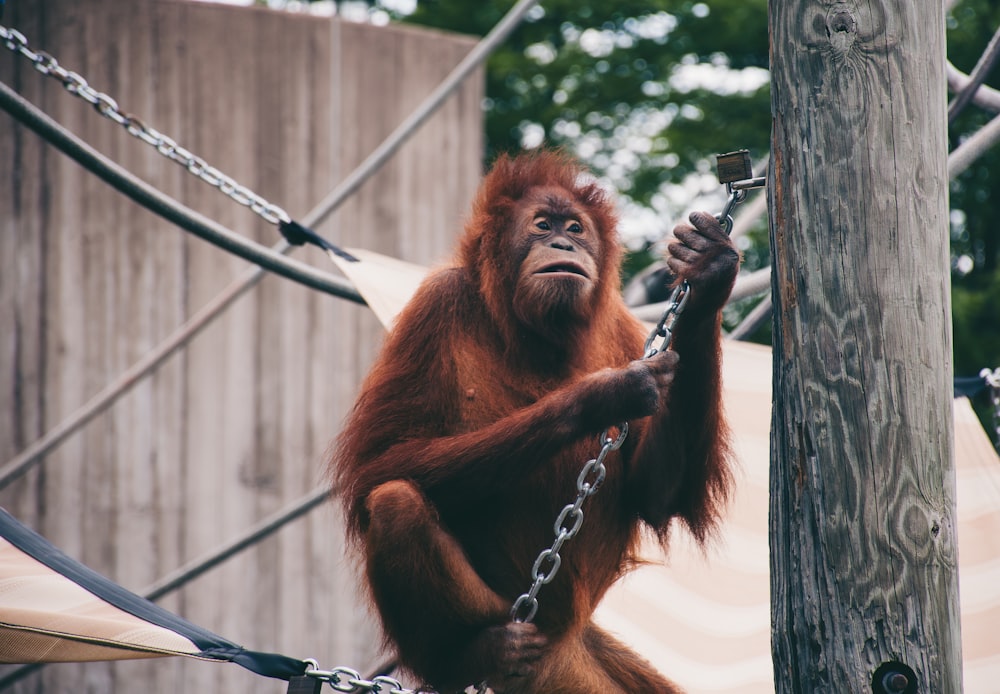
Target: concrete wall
(235, 426)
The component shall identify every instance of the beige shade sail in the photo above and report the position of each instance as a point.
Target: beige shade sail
(54, 609)
(703, 617)
(385, 283)
(44, 617)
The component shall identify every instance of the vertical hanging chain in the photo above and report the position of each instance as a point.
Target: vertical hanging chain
(76, 85)
(735, 171)
(591, 477)
(345, 679)
(548, 562)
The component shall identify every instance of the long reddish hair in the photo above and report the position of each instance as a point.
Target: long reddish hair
(482, 246)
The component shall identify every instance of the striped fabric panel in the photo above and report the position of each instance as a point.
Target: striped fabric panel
(703, 618)
(45, 617)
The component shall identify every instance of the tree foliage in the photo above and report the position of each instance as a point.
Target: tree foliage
(646, 92)
(975, 238)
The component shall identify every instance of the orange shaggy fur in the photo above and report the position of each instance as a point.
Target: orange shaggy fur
(470, 431)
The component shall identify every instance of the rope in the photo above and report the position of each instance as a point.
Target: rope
(747, 285)
(255, 534)
(19, 674)
(757, 316)
(985, 97)
(979, 73)
(431, 103)
(33, 453)
(976, 146)
(163, 205)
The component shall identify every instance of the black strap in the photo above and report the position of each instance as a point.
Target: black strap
(298, 235)
(969, 386)
(212, 646)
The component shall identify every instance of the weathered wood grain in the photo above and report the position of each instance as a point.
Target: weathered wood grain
(863, 504)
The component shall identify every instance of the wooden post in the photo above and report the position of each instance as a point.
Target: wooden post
(864, 583)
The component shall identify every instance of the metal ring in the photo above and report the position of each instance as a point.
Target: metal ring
(585, 486)
(105, 105)
(536, 570)
(577, 520)
(523, 600)
(348, 686)
(394, 685)
(727, 224)
(620, 440)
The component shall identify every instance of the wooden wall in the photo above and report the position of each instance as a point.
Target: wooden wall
(235, 426)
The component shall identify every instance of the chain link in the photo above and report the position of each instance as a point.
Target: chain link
(665, 327)
(345, 679)
(75, 84)
(549, 560)
(678, 299)
(992, 379)
(591, 475)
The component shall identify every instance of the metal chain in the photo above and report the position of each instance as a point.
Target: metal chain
(548, 561)
(665, 327)
(591, 476)
(737, 191)
(345, 679)
(75, 84)
(992, 379)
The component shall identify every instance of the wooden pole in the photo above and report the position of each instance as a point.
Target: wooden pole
(864, 583)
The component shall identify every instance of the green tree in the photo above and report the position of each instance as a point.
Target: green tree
(975, 239)
(646, 92)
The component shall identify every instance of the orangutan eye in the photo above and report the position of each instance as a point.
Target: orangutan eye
(543, 224)
(575, 228)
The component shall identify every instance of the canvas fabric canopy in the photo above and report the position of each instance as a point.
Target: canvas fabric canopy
(701, 616)
(42, 611)
(54, 609)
